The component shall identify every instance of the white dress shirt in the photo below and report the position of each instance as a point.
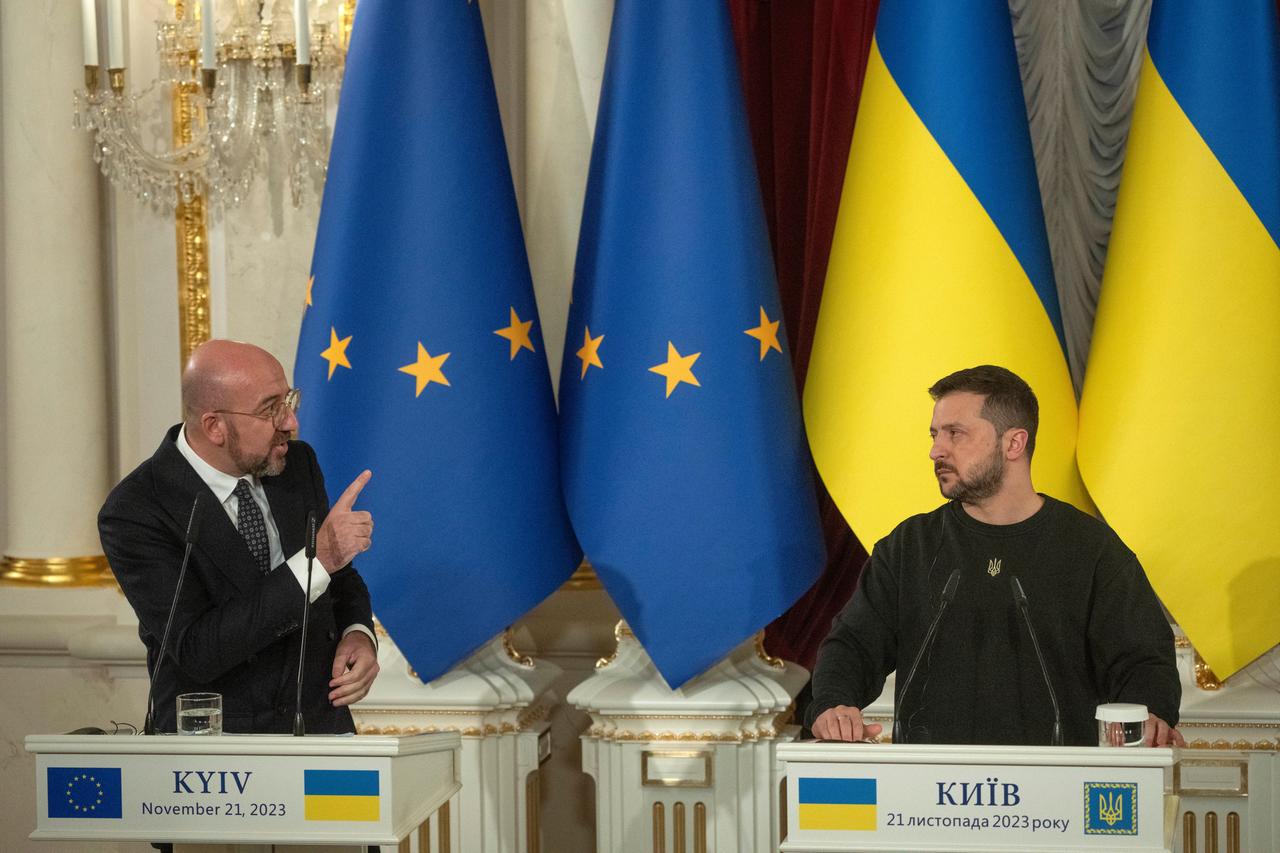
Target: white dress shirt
(223, 486)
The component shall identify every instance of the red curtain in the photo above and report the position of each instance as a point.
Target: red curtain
(802, 65)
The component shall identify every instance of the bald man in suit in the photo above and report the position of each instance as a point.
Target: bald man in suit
(237, 624)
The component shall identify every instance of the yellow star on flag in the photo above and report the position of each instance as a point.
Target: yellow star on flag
(590, 352)
(336, 354)
(310, 283)
(766, 333)
(426, 369)
(677, 368)
(517, 333)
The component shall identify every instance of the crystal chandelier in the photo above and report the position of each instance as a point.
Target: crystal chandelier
(227, 104)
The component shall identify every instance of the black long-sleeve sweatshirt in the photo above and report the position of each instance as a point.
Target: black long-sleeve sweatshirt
(1101, 628)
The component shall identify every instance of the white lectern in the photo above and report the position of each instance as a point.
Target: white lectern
(263, 789)
(966, 798)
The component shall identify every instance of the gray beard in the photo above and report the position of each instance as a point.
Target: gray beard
(251, 466)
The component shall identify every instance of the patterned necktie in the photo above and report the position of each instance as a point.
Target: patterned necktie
(252, 526)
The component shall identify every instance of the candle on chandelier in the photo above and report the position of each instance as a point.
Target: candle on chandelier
(89, 28)
(302, 30)
(208, 48)
(115, 33)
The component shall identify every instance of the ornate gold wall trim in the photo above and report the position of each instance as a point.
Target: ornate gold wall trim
(191, 225)
(56, 571)
(1239, 745)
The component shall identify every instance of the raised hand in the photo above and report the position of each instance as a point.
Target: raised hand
(346, 531)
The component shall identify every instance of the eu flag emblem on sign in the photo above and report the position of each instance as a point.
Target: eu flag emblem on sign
(84, 792)
(420, 355)
(685, 466)
(837, 804)
(1110, 808)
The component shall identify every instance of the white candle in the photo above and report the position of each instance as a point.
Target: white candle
(302, 32)
(115, 33)
(208, 49)
(89, 28)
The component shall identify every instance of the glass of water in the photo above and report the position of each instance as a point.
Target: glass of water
(200, 714)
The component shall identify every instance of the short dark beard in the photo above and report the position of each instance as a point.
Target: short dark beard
(985, 482)
(251, 466)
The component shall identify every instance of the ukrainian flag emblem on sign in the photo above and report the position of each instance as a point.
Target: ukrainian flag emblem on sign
(341, 794)
(840, 804)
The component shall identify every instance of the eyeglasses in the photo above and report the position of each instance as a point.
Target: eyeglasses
(278, 412)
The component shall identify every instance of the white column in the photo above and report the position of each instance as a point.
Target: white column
(55, 377)
(693, 768)
(564, 67)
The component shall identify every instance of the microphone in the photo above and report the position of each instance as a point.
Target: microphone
(948, 593)
(1020, 597)
(193, 527)
(299, 728)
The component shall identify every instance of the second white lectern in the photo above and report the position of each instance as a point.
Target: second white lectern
(843, 796)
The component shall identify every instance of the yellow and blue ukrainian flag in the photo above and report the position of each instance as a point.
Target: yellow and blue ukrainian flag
(1180, 391)
(939, 261)
(420, 355)
(837, 804)
(341, 795)
(684, 462)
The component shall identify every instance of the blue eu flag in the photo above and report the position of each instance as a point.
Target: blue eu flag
(685, 465)
(83, 792)
(420, 355)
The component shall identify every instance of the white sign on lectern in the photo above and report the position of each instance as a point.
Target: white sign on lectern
(265, 789)
(966, 798)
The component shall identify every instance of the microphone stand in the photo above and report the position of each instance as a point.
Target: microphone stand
(148, 725)
(1020, 597)
(299, 727)
(948, 593)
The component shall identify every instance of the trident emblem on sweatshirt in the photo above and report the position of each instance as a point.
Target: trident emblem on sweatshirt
(993, 566)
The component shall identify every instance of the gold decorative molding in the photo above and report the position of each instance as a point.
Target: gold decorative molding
(1205, 679)
(191, 225)
(583, 579)
(699, 828)
(443, 828)
(58, 572)
(508, 646)
(622, 629)
(659, 828)
(1240, 745)
(776, 663)
(677, 828)
(1241, 725)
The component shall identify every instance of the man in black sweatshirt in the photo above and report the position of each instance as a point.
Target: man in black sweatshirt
(1100, 626)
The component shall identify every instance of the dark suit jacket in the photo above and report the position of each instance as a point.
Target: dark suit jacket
(235, 631)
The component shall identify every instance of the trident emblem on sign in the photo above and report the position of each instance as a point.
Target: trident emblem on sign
(1111, 808)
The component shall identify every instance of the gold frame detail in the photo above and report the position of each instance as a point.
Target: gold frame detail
(1241, 789)
(664, 782)
(191, 227)
(1205, 678)
(770, 660)
(517, 656)
(61, 572)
